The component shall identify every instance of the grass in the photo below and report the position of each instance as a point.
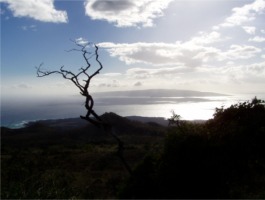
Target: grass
(41, 162)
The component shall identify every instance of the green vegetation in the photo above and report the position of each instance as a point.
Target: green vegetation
(221, 158)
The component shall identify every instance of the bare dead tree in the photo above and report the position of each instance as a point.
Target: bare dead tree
(75, 78)
(91, 116)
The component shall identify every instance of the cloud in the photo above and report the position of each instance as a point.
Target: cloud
(257, 39)
(160, 54)
(42, 10)
(225, 61)
(151, 53)
(81, 41)
(250, 29)
(112, 74)
(208, 54)
(244, 14)
(188, 54)
(242, 74)
(240, 52)
(206, 38)
(183, 62)
(258, 69)
(29, 28)
(138, 84)
(126, 13)
(112, 83)
(144, 73)
(235, 74)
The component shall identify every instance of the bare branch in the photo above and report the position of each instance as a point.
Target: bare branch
(75, 77)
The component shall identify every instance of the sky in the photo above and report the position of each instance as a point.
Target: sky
(204, 45)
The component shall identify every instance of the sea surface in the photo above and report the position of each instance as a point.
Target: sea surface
(14, 115)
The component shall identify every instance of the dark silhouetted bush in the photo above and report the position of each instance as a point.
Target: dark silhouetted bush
(223, 158)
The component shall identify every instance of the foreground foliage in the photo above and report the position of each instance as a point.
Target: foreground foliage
(223, 158)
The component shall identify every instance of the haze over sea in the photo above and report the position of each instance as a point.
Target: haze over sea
(191, 105)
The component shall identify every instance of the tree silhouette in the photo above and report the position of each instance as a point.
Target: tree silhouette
(83, 73)
(88, 50)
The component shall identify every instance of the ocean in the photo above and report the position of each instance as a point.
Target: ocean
(15, 115)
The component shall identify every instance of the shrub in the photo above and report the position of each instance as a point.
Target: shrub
(223, 158)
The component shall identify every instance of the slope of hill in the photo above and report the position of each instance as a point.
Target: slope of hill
(76, 127)
(61, 159)
(74, 123)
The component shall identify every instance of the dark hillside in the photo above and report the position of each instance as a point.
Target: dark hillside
(46, 160)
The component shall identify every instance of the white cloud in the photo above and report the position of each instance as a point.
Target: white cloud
(144, 73)
(262, 31)
(235, 74)
(209, 53)
(125, 13)
(227, 77)
(243, 75)
(112, 74)
(216, 28)
(257, 39)
(81, 41)
(42, 10)
(250, 29)
(185, 54)
(161, 54)
(151, 53)
(206, 38)
(240, 52)
(257, 69)
(244, 14)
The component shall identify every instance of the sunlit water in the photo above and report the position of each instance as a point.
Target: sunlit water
(187, 110)
(202, 108)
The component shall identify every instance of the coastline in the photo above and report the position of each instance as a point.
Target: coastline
(72, 123)
(190, 109)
